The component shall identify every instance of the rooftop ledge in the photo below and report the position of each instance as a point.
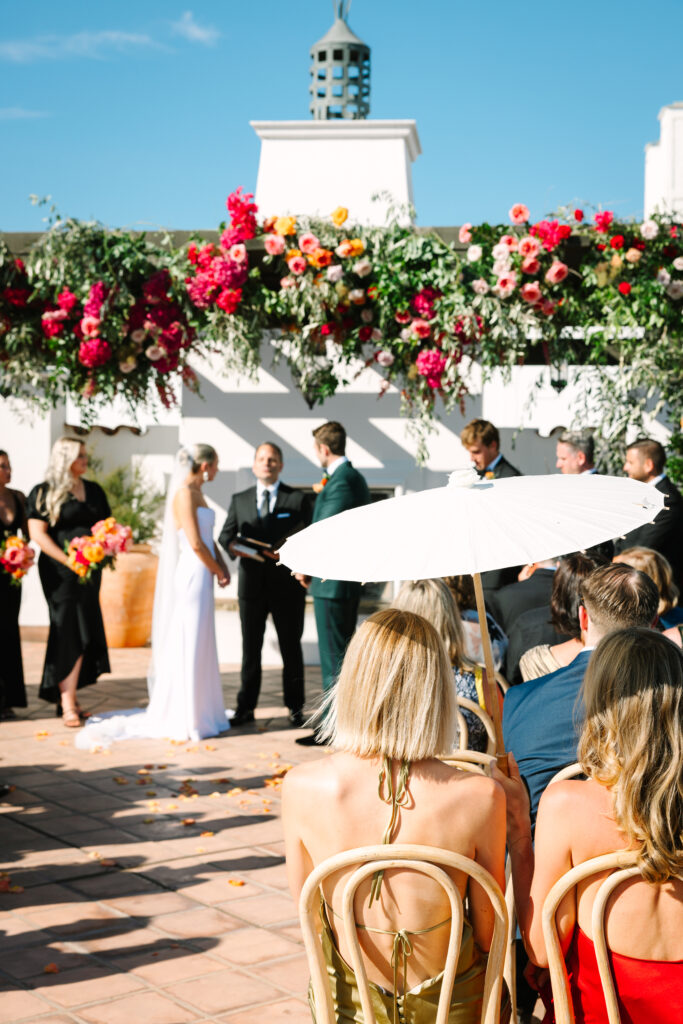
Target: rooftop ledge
(342, 129)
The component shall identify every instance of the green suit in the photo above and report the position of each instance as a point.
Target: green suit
(335, 602)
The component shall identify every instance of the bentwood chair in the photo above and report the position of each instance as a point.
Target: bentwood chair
(469, 760)
(622, 866)
(425, 860)
(463, 739)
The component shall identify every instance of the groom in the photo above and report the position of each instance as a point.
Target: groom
(335, 602)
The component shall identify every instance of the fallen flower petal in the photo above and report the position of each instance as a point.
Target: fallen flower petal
(50, 969)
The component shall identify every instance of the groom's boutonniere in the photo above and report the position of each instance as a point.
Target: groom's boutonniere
(489, 475)
(317, 488)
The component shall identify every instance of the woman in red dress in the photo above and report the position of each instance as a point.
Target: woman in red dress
(631, 750)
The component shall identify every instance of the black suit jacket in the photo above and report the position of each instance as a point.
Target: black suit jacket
(665, 534)
(292, 512)
(509, 603)
(496, 578)
(529, 629)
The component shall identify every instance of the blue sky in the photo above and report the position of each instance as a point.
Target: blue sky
(138, 113)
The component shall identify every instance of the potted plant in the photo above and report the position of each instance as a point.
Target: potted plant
(127, 594)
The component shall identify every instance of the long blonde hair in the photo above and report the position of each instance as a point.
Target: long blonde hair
(632, 741)
(395, 695)
(58, 476)
(435, 602)
(658, 568)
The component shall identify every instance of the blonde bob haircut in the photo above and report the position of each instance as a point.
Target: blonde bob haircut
(435, 602)
(632, 741)
(395, 695)
(658, 568)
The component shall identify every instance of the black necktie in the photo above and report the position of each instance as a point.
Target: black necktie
(265, 504)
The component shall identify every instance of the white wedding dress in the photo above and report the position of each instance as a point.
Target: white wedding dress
(186, 699)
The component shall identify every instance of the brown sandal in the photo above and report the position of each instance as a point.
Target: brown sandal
(71, 718)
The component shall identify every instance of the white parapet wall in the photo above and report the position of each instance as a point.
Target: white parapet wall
(664, 164)
(311, 167)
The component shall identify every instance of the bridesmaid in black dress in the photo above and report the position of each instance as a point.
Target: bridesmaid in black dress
(65, 506)
(12, 522)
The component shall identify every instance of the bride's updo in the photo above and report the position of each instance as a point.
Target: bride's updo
(193, 455)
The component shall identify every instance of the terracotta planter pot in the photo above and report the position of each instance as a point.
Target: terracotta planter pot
(127, 597)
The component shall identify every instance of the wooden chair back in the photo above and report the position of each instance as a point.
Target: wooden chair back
(425, 860)
(469, 760)
(622, 866)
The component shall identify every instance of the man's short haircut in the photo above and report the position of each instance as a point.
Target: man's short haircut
(333, 435)
(271, 444)
(618, 596)
(479, 432)
(566, 596)
(650, 449)
(580, 441)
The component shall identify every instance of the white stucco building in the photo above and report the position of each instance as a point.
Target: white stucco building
(664, 164)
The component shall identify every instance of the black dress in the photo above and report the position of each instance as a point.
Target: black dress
(75, 618)
(12, 690)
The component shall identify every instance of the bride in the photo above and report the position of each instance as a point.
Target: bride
(186, 699)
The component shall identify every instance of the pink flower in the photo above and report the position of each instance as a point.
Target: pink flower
(480, 286)
(66, 300)
(556, 272)
(531, 292)
(238, 253)
(94, 352)
(54, 314)
(138, 335)
(287, 282)
(90, 325)
(98, 294)
(367, 316)
(362, 267)
(649, 229)
(519, 213)
(509, 241)
(420, 328)
(402, 316)
(506, 285)
(548, 307)
(228, 273)
(334, 273)
(376, 334)
(154, 352)
(530, 265)
(275, 245)
(603, 220)
(430, 364)
(465, 234)
(308, 243)
(297, 264)
(384, 358)
(529, 246)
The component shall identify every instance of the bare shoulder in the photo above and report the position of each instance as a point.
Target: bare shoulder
(306, 777)
(483, 794)
(572, 797)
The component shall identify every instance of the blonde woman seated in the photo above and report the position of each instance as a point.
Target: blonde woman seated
(391, 714)
(631, 749)
(564, 617)
(658, 568)
(434, 601)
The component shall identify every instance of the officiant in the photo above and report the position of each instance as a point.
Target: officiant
(259, 520)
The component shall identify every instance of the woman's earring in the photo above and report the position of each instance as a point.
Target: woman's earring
(205, 475)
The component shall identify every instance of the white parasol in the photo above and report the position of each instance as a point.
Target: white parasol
(471, 526)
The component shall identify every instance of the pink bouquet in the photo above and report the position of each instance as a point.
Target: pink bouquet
(16, 558)
(99, 549)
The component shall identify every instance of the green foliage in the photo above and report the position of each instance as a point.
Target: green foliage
(133, 500)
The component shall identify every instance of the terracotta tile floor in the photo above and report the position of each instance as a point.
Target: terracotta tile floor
(193, 920)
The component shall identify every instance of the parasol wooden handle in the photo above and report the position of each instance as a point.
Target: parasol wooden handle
(491, 688)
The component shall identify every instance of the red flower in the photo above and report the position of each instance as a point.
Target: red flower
(564, 231)
(326, 330)
(639, 244)
(229, 299)
(601, 247)
(669, 251)
(193, 253)
(16, 296)
(673, 231)
(603, 220)
(617, 241)
(365, 333)
(67, 300)
(402, 316)
(20, 266)
(372, 291)
(578, 215)
(625, 288)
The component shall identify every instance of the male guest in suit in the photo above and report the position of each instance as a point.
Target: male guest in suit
(335, 602)
(269, 511)
(645, 461)
(533, 591)
(575, 452)
(541, 719)
(482, 441)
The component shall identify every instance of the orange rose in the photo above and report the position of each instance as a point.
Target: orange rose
(339, 215)
(292, 253)
(14, 542)
(320, 258)
(93, 552)
(285, 226)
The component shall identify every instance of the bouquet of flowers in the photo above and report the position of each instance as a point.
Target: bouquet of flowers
(98, 549)
(16, 558)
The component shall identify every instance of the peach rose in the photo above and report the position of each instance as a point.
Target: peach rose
(308, 243)
(465, 234)
(509, 241)
(506, 285)
(275, 245)
(90, 325)
(345, 249)
(529, 246)
(556, 272)
(531, 292)
(519, 213)
(633, 255)
(238, 253)
(297, 264)
(530, 265)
